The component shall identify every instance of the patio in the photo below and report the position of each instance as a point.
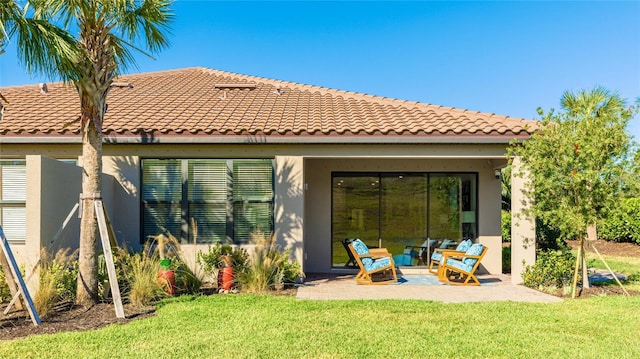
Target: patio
(492, 288)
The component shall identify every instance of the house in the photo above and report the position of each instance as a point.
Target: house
(212, 156)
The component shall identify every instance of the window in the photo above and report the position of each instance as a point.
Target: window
(13, 195)
(208, 200)
(397, 210)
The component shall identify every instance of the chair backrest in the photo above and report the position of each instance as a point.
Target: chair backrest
(445, 243)
(475, 250)
(464, 245)
(361, 249)
(430, 243)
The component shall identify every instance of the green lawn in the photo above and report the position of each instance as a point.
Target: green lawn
(627, 265)
(254, 326)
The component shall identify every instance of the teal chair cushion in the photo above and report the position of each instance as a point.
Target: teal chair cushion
(362, 250)
(464, 245)
(373, 264)
(459, 264)
(466, 264)
(474, 250)
(360, 247)
(369, 264)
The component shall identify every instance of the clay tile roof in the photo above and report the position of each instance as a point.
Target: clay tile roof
(201, 101)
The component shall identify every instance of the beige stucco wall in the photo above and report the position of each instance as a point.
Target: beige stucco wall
(123, 200)
(523, 229)
(53, 188)
(303, 185)
(289, 204)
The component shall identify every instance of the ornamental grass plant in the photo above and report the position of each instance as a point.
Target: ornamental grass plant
(57, 279)
(267, 267)
(143, 280)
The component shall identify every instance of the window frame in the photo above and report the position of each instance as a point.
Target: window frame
(187, 201)
(13, 203)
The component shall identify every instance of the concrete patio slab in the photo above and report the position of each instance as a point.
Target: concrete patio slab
(495, 288)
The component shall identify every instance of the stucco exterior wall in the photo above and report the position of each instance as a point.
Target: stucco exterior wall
(523, 229)
(289, 204)
(53, 188)
(302, 186)
(123, 200)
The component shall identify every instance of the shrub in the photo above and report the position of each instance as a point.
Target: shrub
(5, 293)
(211, 261)
(187, 281)
(623, 224)
(506, 226)
(506, 259)
(547, 237)
(143, 280)
(58, 280)
(552, 269)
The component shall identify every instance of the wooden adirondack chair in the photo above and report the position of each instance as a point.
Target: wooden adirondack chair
(436, 257)
(371, 264)
(463, 266)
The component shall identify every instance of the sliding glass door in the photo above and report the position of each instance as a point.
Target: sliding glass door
(400, 210)
(403, 211)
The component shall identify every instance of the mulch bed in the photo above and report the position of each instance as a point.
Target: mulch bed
(609, 248)
(67, 317)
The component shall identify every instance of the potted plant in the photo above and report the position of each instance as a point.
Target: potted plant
(166, 275)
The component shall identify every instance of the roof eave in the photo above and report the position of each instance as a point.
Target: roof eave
(262, 139)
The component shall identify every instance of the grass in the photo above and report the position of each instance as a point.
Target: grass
(627, 265)
(262, 326)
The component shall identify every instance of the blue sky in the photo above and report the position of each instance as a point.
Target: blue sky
(505, 57)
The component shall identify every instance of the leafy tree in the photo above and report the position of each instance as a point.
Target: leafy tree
(577, 162)
(105, 33)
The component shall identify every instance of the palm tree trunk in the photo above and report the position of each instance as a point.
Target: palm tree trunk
(87, 292)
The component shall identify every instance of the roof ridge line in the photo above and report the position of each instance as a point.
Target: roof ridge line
(356, 95)
(321, 89)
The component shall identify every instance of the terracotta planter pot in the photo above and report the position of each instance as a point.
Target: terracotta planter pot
(167, 280)
(225, 278)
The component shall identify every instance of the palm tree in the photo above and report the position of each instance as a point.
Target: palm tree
(42, 46)
(107, 30)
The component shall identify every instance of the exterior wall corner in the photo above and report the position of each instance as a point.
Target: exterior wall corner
(523, 228)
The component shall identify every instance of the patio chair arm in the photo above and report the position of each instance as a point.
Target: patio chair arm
(443, 250)
(453, 254)
(379, 252)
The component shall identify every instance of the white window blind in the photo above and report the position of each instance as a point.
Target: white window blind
(14, 182)
(208, 180)
(14, 223)
(162, 180)
(13, 195)
(224, 200)
(253, 197)
(161, 193)
(253, 180)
